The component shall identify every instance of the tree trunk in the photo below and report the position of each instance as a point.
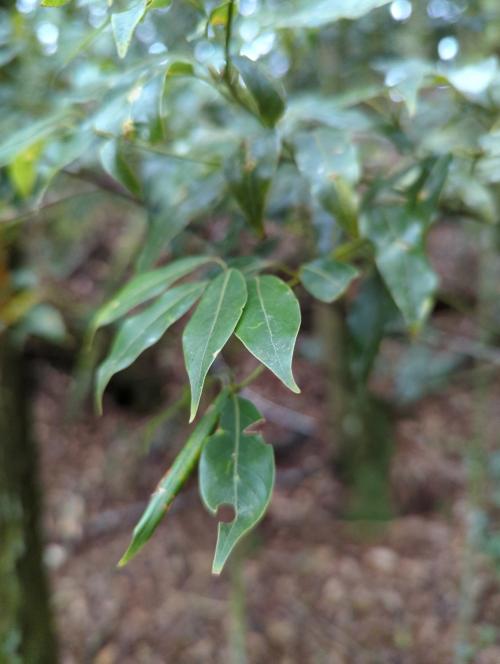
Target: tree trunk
(360, 427)
(26, 632)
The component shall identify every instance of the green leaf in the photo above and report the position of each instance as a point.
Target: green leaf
(116, 165)
(236, 469)
(249, 174)
(54, 3)
(326, 278)
(398, 236)
(267, 92)
(22, 169)
(370, 313)
(172, 482)
(21, 140)
(210, 327)
(316, 13)
(220, 15)
(143, 330)
(339, 199)
(180, 68)
(124, 25)
(144, 287)
(323, 155)
(270, 324)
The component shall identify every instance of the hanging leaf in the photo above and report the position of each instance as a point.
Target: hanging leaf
(398, 236)
(115, 164)
(210, 327)
(326, 278)
(144, 287)
(236, 469)
(174, 479)
(267, 93)
(143, 330)
(249, 174)
(270, 324)
(124, 25)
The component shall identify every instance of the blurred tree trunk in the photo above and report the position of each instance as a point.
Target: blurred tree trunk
(359, 423)
(26, 633)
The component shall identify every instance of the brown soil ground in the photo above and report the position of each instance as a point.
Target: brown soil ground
(319, 588)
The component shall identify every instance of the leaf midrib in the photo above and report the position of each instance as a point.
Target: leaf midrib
(268, 324)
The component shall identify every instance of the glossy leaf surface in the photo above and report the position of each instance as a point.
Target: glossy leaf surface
(210, 327)
(270, 324)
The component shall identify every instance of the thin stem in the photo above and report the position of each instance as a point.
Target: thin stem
(253, 375)
(37, 210)
(104, 182)
(229, 34)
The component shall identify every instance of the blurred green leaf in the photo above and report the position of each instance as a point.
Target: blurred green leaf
(144, 287)
(236, 469)
(249, 174)
(32, 132)
(370, 315)
(124, 25)
(22, 169)
(210, 327)
(54, 3)
(326, 278)
(266, 91)
(316, 13)
(115, 164)
(143, 330)
(269, 326)
(398, 236)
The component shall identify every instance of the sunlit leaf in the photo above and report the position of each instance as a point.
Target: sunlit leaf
(143, 330)
(210, 327)
(23, 171)
(54, 3)
(236, 469)
(270, 324)
(174, 479)
(124, 25)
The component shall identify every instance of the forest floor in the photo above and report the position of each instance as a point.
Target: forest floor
(319, 588)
